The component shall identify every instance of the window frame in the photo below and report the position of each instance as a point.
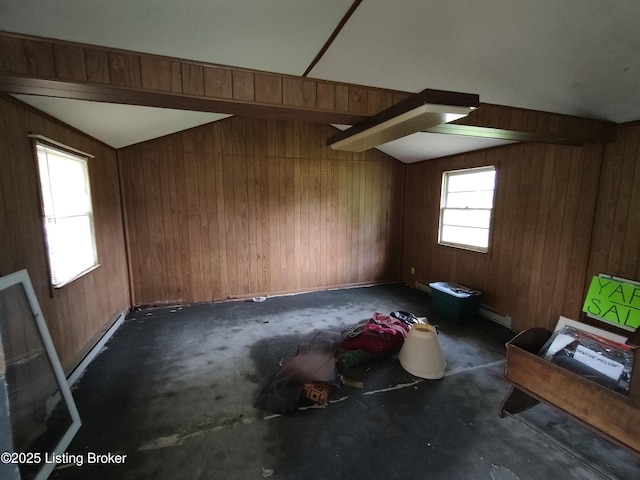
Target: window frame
(52, 145)
(446, 175)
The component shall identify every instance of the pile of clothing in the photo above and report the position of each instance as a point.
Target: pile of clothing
(310, 375)
(375, 337)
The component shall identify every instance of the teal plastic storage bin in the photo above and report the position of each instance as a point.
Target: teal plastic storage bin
(454, 302)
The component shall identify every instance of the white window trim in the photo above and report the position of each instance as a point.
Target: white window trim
(443, 198)
(42, 141)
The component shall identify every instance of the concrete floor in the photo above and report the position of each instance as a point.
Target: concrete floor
(174, 389)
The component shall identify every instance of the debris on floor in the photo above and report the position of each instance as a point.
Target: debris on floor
(316, 392)
(498, 472)
(309, 376)
(314, 362)
(347, 382)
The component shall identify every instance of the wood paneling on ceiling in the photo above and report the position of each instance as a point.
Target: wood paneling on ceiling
(248, 207)
(80, 310)
(544, 203)
(38, 66)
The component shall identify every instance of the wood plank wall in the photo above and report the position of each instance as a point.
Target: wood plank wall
(246, 207)
(615, 247)
(544, 207)
(81, 309)
(249, 207)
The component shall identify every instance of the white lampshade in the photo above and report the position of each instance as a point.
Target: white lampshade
(421, 354)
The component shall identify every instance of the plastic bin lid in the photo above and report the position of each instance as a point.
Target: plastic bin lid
(455, 289)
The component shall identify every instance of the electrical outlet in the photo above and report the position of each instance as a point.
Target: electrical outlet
(413, 270)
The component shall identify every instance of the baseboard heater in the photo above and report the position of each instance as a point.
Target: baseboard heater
(483, 310)
(79, 370)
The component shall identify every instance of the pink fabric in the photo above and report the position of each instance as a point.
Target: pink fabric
(381, 336)
(386, 324)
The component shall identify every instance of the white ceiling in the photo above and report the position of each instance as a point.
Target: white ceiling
(578, 57)
(426, 146)
(120, 125)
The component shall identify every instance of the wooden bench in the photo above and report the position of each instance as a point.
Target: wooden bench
(535, 380)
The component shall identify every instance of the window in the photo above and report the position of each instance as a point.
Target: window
(67, 212)
(465, 208)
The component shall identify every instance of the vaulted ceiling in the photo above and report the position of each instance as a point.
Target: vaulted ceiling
(575, 57)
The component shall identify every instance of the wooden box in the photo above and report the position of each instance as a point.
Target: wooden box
(535, 379)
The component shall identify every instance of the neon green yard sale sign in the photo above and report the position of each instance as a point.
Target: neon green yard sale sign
(614, 301)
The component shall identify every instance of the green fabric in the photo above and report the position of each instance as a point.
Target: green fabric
(352, 358)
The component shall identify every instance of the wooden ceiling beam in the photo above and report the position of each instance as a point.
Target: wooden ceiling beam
(55, 68)
(128, 96)
(39, 66)
(522, 125)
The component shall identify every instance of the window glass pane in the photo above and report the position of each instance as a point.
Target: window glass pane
(471, 181)
(71, 249)
(469, 218)
(69, 190)
(68, 217)
(66, 183)
(466, 206)
(481, 199)
(465, 236)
